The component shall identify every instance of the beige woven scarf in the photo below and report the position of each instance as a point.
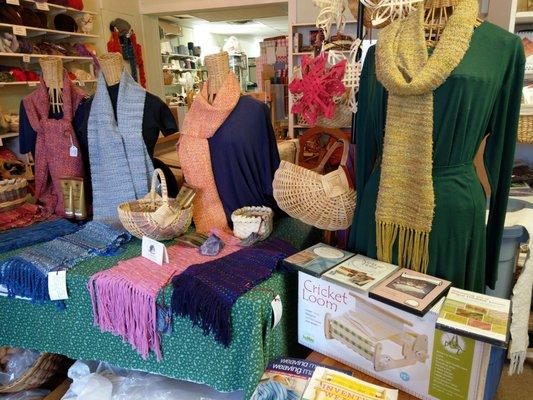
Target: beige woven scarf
(405, 203)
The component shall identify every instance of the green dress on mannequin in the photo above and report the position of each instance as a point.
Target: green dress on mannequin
(481, 97)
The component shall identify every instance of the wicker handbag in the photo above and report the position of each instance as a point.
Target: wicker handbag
(40, 372)
(324, 201)
(159, 218)
(248, 220)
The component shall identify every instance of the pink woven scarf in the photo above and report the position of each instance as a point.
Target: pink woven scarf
(201, 123)
(124, 297)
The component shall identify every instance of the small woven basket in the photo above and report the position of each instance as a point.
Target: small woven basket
(525, 129)
(44, 368)
(13, 192)
(157, 217)
(248, 220)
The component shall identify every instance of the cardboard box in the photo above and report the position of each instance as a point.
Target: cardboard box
(389, 344)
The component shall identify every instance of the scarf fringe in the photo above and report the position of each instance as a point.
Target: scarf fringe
(22, 278)
(516, 365)
(121, 308)
(203, 305)
(413, 245)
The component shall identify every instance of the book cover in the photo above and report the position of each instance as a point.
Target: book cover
(411, 291)
(317, 259)
(327, 384)
(285, 378)
(476, 315)
(360, 273)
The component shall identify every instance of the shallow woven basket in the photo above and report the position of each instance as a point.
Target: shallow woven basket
(302, 194)
(44, 368)
(525, 129)
(341, 119)
(248, 220)
(140, 219)
(13, 192)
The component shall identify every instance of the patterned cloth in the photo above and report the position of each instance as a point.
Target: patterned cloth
(30, 235)
(121, 168)
(207, 292)
(137, 282)
(201, 123)
(26, 274)
(23, 215)
(55, 137)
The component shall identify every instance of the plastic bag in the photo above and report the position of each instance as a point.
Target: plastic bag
(231, 45)
(26, 395)
(19, 361)
(92, 381)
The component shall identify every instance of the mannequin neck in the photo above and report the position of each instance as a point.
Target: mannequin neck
(217, 69)
(52, 69)
(112, 66)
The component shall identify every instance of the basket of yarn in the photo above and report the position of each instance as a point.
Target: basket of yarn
(46, 365)
(248, 220)
(158, 217)
(13, 192)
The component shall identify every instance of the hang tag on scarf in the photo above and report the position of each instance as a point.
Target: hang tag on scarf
(73, 151)
(154, 251)
(277, 310)
(57, 285)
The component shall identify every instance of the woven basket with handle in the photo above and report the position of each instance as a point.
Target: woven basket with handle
(525, 129)
(324, 201)
(157, 217)
(44, 368)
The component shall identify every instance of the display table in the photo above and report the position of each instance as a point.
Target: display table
(330, 362)
(187, 353)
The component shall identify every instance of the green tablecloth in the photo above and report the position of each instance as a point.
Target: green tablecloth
(187, 353)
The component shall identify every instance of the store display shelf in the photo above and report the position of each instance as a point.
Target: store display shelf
(313, 24)
(56, 8)
(181, 69)
(303, 53)
(307, 127)
(35, 83)
(177, 55)
(64, 58)
(31, 31)
(8, 135)
(524, 17)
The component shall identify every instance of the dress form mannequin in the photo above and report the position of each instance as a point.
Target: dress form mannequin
(217, 69)
(112, 65)
(437, 14)
(52, 68)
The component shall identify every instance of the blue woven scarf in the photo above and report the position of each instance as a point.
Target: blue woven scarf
(26, 274)
(207, 292)
(120, 166)
(37, 233)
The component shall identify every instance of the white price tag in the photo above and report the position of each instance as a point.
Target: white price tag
(32, 83)
(42, 6)
(277, 309)
(19, 30)
(154, 251)
(26, 58)
(73, 151)
(57, 285)
(13, 2)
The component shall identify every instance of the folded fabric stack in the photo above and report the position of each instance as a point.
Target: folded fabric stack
(124, 297)
(26, 274)
(38, 233)
(207, 292)
(24, 215)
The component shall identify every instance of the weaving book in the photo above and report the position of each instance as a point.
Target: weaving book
(317, 259)
(327, 384)
(410, 291)
(284, 378)
(360, 273)
(481, 317)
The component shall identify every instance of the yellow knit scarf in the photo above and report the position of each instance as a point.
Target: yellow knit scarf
(404, 210)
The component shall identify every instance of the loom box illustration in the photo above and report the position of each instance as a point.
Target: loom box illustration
(380, 340)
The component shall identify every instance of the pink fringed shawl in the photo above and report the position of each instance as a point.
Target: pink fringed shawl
(201, 123)
(124, 297)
